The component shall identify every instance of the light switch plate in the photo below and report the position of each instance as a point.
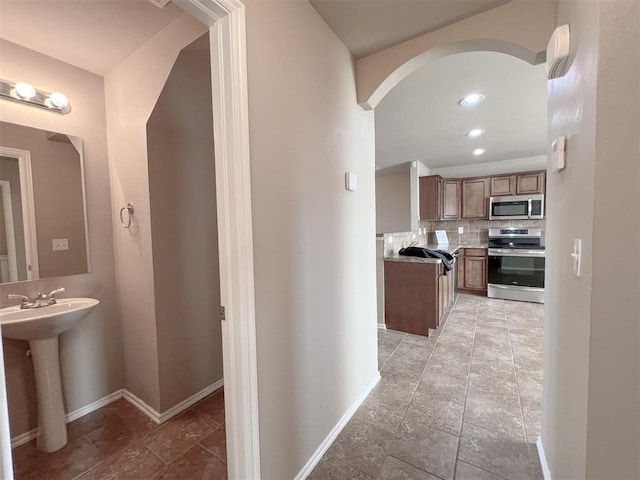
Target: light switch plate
(351, 181)
(558, 155)
(460, 229)
(58, 244)
(577, 256)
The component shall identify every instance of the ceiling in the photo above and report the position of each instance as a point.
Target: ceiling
(420, 119)
(367, 26)
(94, 35)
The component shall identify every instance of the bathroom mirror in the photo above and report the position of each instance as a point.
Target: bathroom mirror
(43, 224)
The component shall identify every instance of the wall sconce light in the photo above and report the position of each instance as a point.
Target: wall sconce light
(26, 93)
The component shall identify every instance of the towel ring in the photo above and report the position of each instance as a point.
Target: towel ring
(129, 209)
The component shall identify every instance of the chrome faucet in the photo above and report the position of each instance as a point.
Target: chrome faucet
(40, 300)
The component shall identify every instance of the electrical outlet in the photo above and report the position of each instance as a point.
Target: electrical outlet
(58, 244)
(460, 229)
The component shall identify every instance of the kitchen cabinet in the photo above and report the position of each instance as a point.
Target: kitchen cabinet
(430, 197)
(472, 269)
(450, 199)
(475, 193)
(417, 295)
(503, 186)
(530, 183)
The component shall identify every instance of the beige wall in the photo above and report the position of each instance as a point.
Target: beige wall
(132, 89)
(57, 196)
(314, 244)
(590, 424)
(393, 203)
(184, 229)
(10, 171)
(90, 353)
(613, 424)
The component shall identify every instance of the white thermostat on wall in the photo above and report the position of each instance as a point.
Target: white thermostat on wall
(558, 155)
(558, 52)
(351, 181)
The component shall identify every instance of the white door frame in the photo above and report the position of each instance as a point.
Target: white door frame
(227, 32)
(28, 208)
(7, 207)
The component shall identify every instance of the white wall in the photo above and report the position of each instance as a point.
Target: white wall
(393, 203)
(590, 424)
(482, 169)
(314, 242)
(91, 352)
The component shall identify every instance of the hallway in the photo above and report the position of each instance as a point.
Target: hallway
(464, 403)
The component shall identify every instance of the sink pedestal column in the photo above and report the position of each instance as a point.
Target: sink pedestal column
(52, 427)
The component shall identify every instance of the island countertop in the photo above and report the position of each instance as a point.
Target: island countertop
(450, 248)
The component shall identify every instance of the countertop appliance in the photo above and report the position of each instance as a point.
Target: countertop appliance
(516, 264)
(516, 207)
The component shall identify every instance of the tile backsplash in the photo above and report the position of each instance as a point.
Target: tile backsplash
(474, 231)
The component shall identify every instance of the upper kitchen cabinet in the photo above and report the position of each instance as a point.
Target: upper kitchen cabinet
(430, 198)
(450, 199)
(475, 193)
(530, 183)
(501, 186)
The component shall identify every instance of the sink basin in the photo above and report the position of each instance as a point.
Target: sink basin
(41, 327)
(44, 322)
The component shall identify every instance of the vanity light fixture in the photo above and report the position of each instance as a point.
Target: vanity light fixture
(476, 132)
(471, 100)
(27, 94)
(478, 151)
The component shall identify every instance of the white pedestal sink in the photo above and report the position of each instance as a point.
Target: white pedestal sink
(41, 327)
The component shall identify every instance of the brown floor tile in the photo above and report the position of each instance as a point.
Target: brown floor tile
(196, 463)
(25, 455)
(136, 462)
(212, 406)
(65, 464)
(216, 443)
(117, 434)
(179, 434)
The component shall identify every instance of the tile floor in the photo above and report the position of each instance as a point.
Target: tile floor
(118, 442)
(463, 404)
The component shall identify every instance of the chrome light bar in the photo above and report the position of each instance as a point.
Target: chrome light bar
(25, 93)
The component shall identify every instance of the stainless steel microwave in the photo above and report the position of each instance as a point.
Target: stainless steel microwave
(516, 207)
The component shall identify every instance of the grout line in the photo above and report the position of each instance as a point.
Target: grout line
(524, 428)
(466, 392)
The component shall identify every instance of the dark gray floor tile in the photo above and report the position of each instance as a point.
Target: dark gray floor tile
(447, 387)
(464, 471)
(363, 446)
(427, 448)
(394, 469)
(495, 453)
(330, 468)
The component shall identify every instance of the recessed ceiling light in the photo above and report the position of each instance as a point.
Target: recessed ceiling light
(471, 100)
(478, 151)
(476, 132)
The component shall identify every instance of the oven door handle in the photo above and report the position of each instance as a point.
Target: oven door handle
(503, 252)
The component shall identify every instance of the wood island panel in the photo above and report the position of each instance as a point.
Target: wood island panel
(411, 296)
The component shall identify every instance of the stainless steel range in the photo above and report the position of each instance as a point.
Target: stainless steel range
(516, 264)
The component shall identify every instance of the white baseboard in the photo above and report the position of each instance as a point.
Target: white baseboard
(69, 417)
(335, 431)
(158, 417)
(382, 326)
(131, 398)
(546, 473)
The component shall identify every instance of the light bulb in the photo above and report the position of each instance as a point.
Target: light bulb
(471, 100)
(25, 90)
(476, 132)
(58, 100)
(478, 151)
